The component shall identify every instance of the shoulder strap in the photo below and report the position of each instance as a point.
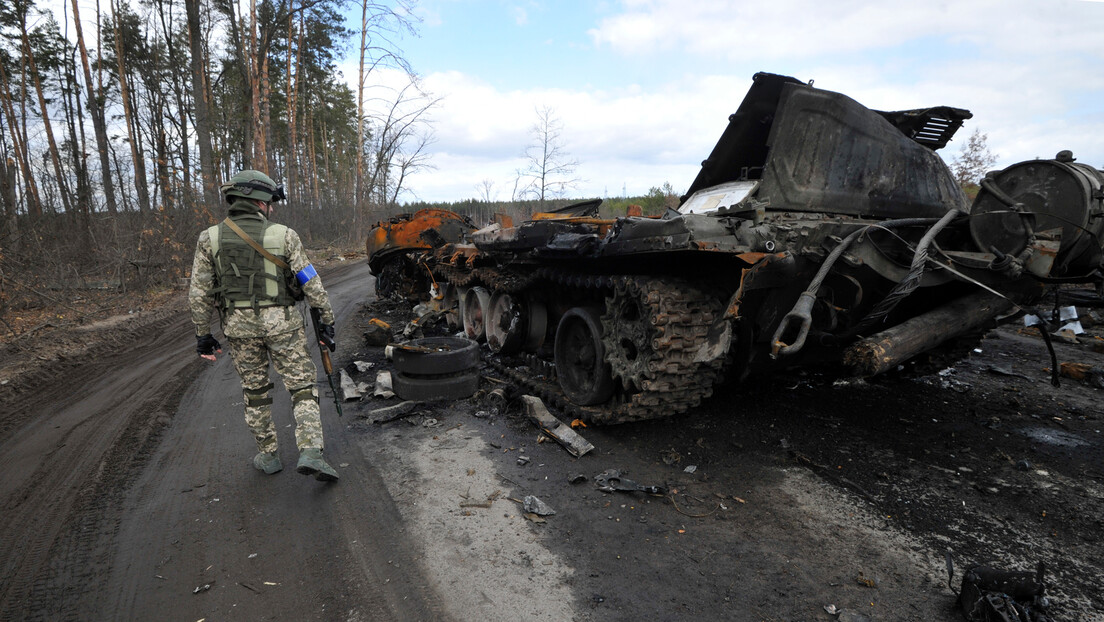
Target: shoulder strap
(257, 247)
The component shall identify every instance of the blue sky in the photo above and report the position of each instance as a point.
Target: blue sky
(643, 88)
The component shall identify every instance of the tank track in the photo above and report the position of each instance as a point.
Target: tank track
(651, 349)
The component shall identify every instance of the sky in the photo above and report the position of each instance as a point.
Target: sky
(643, 88)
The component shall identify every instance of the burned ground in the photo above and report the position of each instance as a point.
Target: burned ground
(789, 492)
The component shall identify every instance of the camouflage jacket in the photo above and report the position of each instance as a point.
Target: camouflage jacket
(243, 323)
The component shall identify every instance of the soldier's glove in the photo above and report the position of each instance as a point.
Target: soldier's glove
(326, 336)
(206, 345)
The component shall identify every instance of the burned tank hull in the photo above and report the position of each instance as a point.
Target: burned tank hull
(397, 249)
(818, 232)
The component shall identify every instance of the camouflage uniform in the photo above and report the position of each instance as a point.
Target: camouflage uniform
(273, 333)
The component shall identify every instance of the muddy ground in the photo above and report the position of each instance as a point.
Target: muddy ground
(129, 493)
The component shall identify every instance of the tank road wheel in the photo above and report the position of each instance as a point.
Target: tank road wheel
(581, 368)
(506, 324)
(627, 336)
(538, 325)
(514, 325)
(477, 306)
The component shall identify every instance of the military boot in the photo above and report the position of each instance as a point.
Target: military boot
(311, 463)
(268, 462)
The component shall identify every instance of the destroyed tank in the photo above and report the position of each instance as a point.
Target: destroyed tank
(397, 249)
(817, 233)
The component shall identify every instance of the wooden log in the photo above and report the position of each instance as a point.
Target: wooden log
(884, 351)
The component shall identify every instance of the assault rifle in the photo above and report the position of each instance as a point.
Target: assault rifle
(327, 364)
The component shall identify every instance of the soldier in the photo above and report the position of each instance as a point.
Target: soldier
(253, 271)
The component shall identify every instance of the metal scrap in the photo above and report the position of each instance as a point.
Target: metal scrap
(393, 413)
(560, 432)
(610, 480)
(383, 385)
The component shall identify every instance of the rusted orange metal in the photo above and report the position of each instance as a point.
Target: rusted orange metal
(407, 233)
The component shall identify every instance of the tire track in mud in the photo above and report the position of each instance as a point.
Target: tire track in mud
(70, 454)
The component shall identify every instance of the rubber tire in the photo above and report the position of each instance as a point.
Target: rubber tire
(463, 355)
(584, 387)
(455, 387)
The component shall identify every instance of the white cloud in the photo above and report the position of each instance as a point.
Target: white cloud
(520, 15)
(1031, 78)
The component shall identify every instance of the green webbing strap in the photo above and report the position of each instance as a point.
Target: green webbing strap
(257, 247)
(302, 395)
(259, 397)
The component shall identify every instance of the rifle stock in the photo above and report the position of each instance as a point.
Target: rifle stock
(327, 364)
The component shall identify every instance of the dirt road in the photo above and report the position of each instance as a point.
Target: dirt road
(129, 495)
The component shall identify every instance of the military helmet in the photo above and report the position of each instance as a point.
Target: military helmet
(252, 184)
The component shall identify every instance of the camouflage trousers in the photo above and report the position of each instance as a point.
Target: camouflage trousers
(288, 353)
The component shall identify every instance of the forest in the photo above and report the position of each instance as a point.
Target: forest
(119, 120)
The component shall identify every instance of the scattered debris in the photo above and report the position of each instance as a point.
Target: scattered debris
(1006, 371)
(578, 478)
(690, 469)
(497, 400)
(383, 385)
(393, 413)
(1023, 464)
(202, 588)
(831, 609)
(1067, 316)
(416, 326)
(991, 595)
(363, 366)
(671, 457)
(529, 516)
(378, 333)
(523, 460)
(563, 434)
(1083, 372)
(486, 504)
(350, 389)
(862, 579)
(610, 480)
(533, 505)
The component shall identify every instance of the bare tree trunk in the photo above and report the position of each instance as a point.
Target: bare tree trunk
(95, 108)
(11, 207)
(292, 104)
(202, 107)
(55, 157)
(74, 120)
(34, 203)
(140, 185)
(361, 77)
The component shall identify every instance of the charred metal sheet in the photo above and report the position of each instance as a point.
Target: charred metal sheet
(637, 235)
(571, 244)
(559, 431)
(830, 154)
(741, 151)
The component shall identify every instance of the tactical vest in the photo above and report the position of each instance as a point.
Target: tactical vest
(243, 277)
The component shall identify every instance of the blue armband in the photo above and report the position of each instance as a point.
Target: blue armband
(305, 275)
